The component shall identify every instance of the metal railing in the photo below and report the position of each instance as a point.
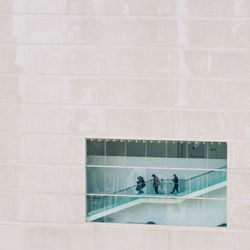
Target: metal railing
(96, 203)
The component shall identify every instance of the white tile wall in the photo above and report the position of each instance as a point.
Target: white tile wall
(70, 69)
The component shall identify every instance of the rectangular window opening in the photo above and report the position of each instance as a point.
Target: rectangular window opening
(156, 182)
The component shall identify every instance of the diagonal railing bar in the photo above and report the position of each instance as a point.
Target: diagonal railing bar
(188, 186)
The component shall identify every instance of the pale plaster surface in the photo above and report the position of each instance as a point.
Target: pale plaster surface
(142, 69)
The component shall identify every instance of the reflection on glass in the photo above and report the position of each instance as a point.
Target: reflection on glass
(217, 150)
(217, 155)
(176, 149)
(197, 150)
(95, 152)
(135, 153)
(95, 180)
(163, 211)
(156, 154)
(157, 182)
(156, 149)
(197, 182)
(209, 213)
(115, 153)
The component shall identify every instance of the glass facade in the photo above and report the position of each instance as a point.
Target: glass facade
(156, 182)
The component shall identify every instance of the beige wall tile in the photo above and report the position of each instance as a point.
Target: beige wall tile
(225, 64)
(8, 59)
(230, 240)
(211, 8)
(42, 178)
(155, 92)
(121, 7)
(171, 93)
(9, 89)
(43, 88)
(107, 7)
(217, 8)
(7, 26)
(238, 185)
(10, 117)
(52, 149)
(50, 208)
(9, 207)
(195, 124)
(38, 207)
(6, 5)
(10, 232)
(79, 60)
(238, 153)
(239, 125)
(103, 91)
(128, 121)
(61, 119)
(52, 179)
(189, 240)
(126, 31)
(37, 236)
(35, 6)
(168, 124)
(41, 207)
(57, 237)
(9, 177)
(124, 61)
(215, 94)
(217, 33)
(88, 30)
(9, 148)
(239, 214)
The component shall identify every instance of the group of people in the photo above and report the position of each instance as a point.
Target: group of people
(156, 183)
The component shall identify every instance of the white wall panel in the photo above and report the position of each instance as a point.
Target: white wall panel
(70, 69)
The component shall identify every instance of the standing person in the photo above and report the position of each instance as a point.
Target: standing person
(156, 183)
(140, 185)
(176, 184)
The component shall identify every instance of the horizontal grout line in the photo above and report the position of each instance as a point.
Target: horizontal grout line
(83, 166)
(123, 16)
(49, 223)
(116, 46)
(20, 163)
(133, 226)
(132, 106)
(97, 46)
(98, 76)
(86, 134)
(105, 225)
(18, 192)
(39, 164)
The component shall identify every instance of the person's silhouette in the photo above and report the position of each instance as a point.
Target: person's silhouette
(176, 184)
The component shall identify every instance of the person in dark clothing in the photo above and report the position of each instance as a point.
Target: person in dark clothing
(156, 183)
(176, 184)
(140, 185)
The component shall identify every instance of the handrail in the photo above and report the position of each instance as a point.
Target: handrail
(186, 187)
(180, 180)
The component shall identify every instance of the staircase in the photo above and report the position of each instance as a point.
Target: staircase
(100, 206)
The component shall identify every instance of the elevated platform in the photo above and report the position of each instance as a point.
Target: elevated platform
(161, 198)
